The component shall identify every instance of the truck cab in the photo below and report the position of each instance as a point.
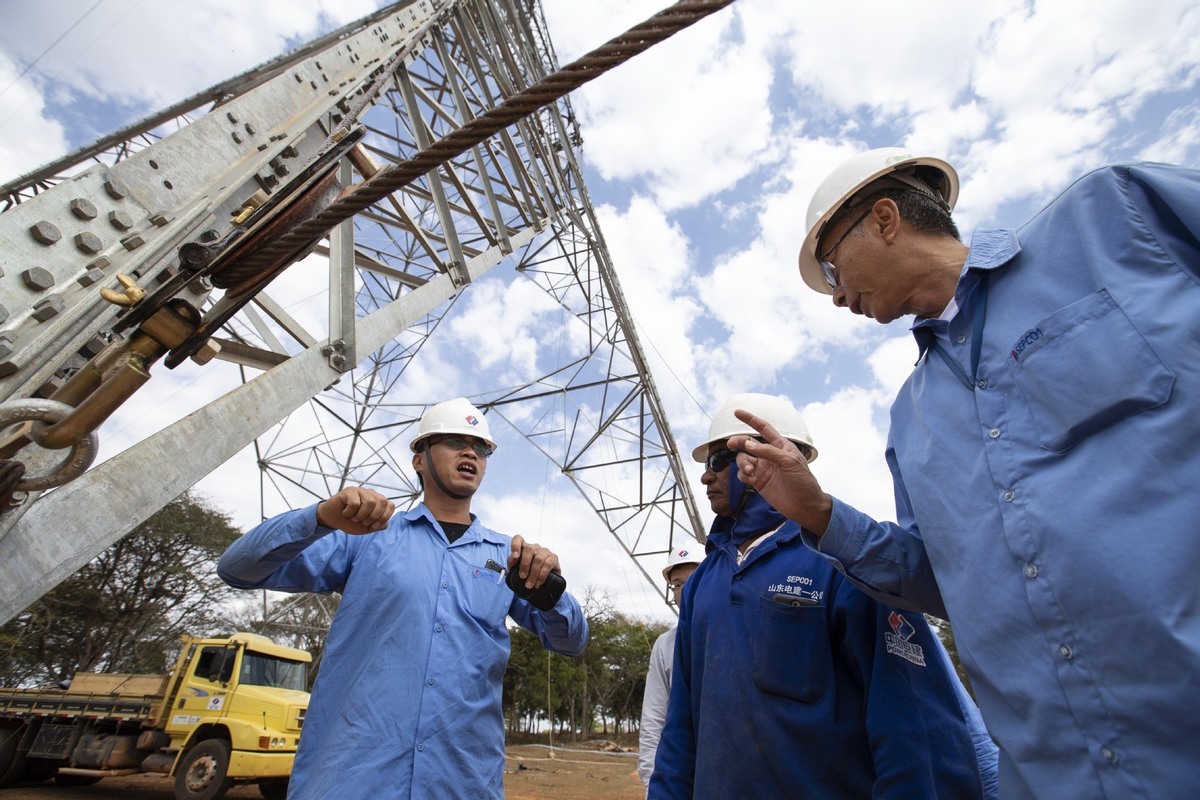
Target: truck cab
(230, 711)
(236, 709)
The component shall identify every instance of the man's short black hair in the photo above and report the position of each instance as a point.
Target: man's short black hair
(920, 211)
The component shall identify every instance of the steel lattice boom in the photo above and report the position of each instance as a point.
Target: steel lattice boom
(411, 152)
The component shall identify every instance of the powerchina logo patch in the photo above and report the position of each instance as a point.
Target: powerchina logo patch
(471, 420)
(899, 640)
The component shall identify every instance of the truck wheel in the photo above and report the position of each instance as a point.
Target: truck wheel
(274, 789)
(203, 773)
(12, 763)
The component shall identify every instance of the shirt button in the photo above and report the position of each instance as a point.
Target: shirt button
(1009, 495)
(432, 681)
(960, 338)
(445, 584)
(1109, 754)
(981, 383)
(1065, 651)
(737, 577)
(1031, 570)
(994, 433)
(437, 628)
(421, 747)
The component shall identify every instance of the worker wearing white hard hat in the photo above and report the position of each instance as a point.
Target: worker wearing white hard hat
(681, 563)
(420, 636)
(1042, 454)
(460, 426)
(777, 655)
(845, 193)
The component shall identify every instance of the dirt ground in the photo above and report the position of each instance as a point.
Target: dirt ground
(532, 772)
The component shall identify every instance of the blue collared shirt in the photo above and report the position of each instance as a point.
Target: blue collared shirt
(1046, 498)
(407, 699)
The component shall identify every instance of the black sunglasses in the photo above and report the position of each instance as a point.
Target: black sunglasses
(720, 459)
(482, 449)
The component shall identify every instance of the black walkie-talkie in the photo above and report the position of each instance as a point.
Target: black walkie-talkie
(543, 597)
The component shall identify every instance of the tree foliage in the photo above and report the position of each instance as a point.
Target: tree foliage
(124, 611)
(599, 692)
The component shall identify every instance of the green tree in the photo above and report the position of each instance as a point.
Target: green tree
(124, 611)
(603, 685)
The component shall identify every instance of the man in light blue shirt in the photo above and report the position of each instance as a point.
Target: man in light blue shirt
(1045, 458)
(407, 702)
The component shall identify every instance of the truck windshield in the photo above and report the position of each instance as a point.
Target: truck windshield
(263, 670)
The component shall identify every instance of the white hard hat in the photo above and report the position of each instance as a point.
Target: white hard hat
(453, 416)
(775, 410)
(940, 182)
(687, 554)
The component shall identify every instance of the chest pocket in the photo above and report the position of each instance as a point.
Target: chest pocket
(484, 600)
(791, 651)
(1084, 368)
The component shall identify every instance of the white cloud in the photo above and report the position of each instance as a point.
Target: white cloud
(701, 155)
(30, 136)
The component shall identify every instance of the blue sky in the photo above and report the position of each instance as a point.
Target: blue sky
(700, 156)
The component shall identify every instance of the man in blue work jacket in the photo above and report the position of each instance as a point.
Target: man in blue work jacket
(1044, 454)
(790, 682)
(407, 702)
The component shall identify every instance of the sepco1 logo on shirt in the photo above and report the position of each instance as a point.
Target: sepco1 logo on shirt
(898, 640)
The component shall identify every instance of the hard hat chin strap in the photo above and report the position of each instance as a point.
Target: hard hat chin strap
(438, 478)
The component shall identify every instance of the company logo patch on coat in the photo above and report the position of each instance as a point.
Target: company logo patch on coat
(899, 640)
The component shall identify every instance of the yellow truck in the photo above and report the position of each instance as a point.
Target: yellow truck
(229, 712)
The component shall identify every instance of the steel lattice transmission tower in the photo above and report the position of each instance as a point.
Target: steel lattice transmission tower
(400, 158)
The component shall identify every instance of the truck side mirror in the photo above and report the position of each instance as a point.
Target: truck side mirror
(222, 666)
(227, 665)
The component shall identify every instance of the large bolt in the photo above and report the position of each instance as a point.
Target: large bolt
(3, 315)
(133, 242)
(83, 208)
(37, 279)
(45, 232)
(93, 347)
(51, 386)
(120, 220)
(237, 137)
(88, 243)
(162, 218)
(207, 352)
(116, 190)
(47, 308)
(90, 277)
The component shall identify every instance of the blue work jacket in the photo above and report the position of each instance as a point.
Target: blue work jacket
(407, 700)
(1046, 454)
(789, 682)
